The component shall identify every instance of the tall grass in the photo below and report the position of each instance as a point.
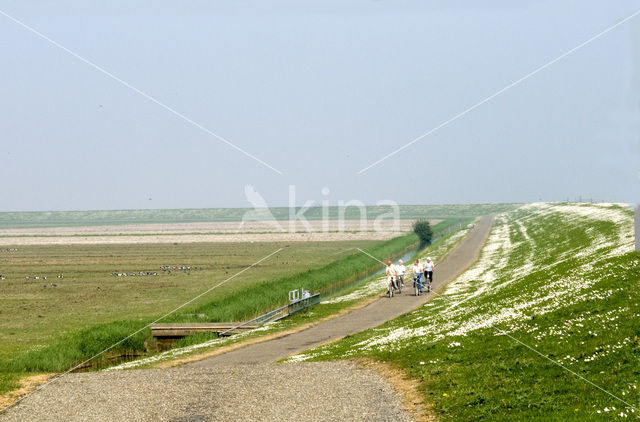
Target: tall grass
(77, 347)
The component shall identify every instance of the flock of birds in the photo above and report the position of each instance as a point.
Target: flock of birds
(38, 277)
(168, 268)
(165, 269)
(139, 274)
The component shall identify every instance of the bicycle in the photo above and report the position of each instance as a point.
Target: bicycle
(417, 284)
(428, 275)
(391, 287)
(400, 283)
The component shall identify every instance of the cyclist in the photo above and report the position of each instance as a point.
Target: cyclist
(429, 266)
(391, 273)
(400, 269)
(417, 277)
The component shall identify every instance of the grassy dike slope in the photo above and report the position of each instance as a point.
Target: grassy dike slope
(560, 278)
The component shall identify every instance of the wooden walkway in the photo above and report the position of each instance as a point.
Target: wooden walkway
(174, 331)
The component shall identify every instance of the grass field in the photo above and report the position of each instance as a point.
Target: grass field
(34, 315)
(558, 279)
(105, 218)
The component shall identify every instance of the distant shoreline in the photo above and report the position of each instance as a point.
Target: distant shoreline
(208, 232)
(50, 219)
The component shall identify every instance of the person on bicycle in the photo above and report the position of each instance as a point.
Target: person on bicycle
(429, 266)
(391, 273)
(417, 276)
(400, 269)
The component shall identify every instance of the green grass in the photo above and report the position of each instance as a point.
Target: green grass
(81, 345)
(559, 279)
(33, 316)
(116, 217)
(9, 381)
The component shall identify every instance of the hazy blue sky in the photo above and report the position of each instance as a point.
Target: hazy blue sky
(319, 90)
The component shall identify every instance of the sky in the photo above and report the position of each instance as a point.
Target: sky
(164, 104)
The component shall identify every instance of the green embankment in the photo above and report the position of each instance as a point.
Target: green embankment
(558, 279)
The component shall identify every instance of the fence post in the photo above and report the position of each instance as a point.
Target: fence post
(637, 225)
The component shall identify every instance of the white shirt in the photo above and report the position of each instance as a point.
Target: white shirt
(391, 270)
(417, 269)
(428, 266)
(400, 269)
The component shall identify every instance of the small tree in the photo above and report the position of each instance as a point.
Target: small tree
(422, 229)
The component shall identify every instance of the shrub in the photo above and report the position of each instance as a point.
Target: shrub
(422, 229)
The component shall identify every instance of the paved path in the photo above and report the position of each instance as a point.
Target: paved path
(300, 392)
(370, 316)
